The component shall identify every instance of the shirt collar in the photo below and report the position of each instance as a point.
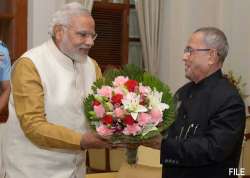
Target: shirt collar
(55, 51)
(216, 75)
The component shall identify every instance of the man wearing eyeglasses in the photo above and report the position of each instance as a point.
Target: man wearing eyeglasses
(47, 133)
(205, 139)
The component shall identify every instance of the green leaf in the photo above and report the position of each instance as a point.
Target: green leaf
(148, 129)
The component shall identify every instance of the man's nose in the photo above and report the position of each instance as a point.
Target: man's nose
(185, 56)
(89, 41)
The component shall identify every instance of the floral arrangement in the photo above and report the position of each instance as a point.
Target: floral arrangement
(129, 106)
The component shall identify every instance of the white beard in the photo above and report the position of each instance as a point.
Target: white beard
(77, 57)
(72, 54)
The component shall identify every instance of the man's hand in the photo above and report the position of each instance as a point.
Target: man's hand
(153, 142)
(92, 140)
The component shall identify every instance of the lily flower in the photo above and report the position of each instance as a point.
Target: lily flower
(155, 100)
(131, 102)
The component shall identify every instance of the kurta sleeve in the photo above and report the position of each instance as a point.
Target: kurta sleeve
(97, 70)
(29, 105)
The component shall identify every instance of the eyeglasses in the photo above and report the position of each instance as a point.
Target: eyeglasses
(83, 34)
(191, 50)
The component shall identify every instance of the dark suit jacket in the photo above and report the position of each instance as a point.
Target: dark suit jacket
(206, 138)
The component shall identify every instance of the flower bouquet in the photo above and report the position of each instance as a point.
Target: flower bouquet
(129, 106)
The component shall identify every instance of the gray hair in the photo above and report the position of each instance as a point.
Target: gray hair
(216, 39)
(63, 15)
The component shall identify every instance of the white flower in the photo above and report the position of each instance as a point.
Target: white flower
(131, 102)
(155, 100)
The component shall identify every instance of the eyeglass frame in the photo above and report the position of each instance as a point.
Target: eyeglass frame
(83, 34)
(189, 49)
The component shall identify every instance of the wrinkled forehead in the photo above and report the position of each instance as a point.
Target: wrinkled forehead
(82, 21)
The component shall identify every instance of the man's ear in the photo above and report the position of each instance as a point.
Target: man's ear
(213, 56)
(58, 32)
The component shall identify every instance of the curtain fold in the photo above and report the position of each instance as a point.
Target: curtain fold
(88, 4)
(134, 55)
(149, 25)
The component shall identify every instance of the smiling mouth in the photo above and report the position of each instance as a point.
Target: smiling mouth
(85, 50)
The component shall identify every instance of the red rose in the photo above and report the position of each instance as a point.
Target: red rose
(95, 103)
(117, 99)
(131, 85)
(128, 120)
(107, 119)
(143, 100)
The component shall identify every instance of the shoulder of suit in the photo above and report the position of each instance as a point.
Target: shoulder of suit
(224, 86)
(184, 87)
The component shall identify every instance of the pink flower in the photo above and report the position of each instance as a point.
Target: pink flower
(132, 129)
(99, 111)
(95, 103)
(156, 115)
(120, 80)
(144, 119)
(118, 90)
(118, 112)
(104, 131)
(144, 90)
(105, 91)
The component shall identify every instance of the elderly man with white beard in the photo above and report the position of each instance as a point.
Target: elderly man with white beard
(46, 133)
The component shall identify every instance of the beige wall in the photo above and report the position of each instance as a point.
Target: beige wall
(39, 16)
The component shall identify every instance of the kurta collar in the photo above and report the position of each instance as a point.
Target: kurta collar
(58, 55)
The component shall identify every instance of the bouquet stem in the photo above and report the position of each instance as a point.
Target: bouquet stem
(131, 154)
